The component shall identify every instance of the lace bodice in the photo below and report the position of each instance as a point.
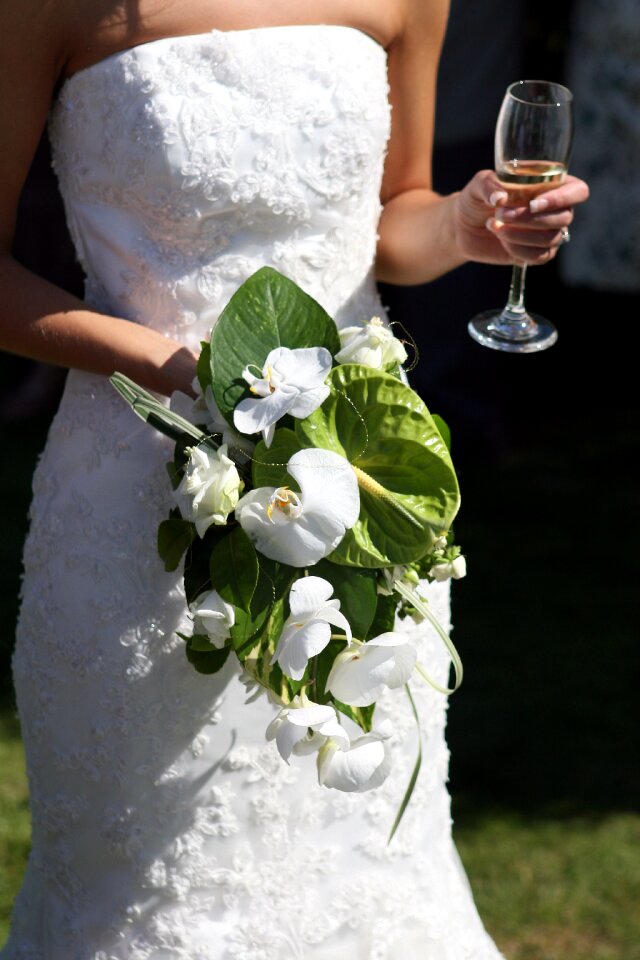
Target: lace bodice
(228, 162)
(165, 826)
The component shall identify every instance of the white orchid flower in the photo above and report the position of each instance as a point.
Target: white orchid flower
(362, 765)
(292, 381)
(210, 487)
(455, 569)
(372, 344)
(303, 727)
(301, 528)
(214, 617)
(307, 631)
(363, 672)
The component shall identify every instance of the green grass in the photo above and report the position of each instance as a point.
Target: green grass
(556, 889)
(15, 826)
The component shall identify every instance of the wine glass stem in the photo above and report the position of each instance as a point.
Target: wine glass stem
(513, 322)
(515, 303)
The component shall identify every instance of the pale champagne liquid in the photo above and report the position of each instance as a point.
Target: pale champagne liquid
(525, 179)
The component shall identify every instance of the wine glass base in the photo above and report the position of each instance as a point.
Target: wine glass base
(486, 330)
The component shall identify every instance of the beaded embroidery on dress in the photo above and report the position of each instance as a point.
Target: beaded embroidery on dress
(165, 827)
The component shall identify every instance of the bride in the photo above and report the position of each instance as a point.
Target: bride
(194, 142)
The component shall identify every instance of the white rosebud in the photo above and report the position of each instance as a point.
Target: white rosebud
(371, 344)
(214, 617)
(210, 487)
(453, 568)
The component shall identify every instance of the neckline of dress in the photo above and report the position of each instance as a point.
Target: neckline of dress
(213, 32)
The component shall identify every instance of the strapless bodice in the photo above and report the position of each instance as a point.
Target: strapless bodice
(187, 163)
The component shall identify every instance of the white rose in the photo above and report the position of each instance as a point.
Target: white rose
(210, 487)
(371, 344)
(214, 617)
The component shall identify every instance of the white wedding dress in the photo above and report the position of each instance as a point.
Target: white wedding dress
(165, 827)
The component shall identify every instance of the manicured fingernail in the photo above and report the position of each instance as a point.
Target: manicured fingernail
(540, 203)
(497, 196)
(492, 225)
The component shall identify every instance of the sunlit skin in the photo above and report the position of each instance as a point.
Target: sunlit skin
(422, 234)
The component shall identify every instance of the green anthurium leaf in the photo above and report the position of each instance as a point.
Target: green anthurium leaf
(266, 311)
(355, 589)
(269, 465)
(175, 536)
(233, 568)
(408, 487)
(443, 427)
(203, 656)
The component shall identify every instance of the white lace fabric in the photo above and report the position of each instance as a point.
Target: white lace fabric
(165, 827)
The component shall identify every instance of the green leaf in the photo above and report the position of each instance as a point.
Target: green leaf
(408, 487)
(203, 368)
(155, 413)
(197, 578)
(175, 536)
(266, 311)
(203, 656)
(416, 770)
(262, 623)
(355, 589)
(270, 463)
(384, 619)
(233, 568)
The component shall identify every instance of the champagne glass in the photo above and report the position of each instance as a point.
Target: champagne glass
(533, 139)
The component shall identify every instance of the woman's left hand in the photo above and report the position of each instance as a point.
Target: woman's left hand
(489, 230)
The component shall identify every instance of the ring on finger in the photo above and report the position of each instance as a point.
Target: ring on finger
(565, 236)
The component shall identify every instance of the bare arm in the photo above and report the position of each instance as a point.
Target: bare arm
(422, 234)
(38, 319)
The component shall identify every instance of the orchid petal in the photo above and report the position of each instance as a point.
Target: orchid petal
(364, 766)
(304, 367)
(329, 502)
(337, 619)
(308, 401)
(253, 415)
(360, 676)
(328, 484)
(297, 646)
(308, 594)
(315, 715)
(286, 736)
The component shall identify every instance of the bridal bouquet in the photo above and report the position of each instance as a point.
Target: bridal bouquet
(313, 492)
